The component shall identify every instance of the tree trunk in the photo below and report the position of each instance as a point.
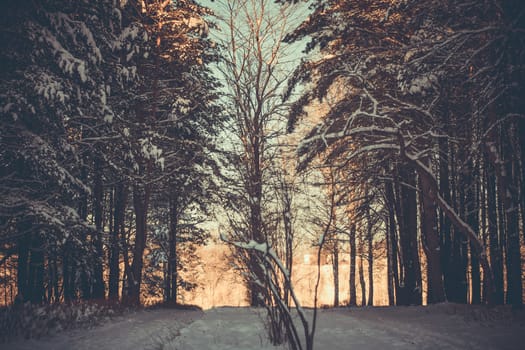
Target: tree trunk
(430, 237)
(113, 239)
(119, 212)
(483, 212)
(495, 247)
(521, 135)
(125, 248)
(399, 268)
(446, 241)
(352, 298)
(141, 193)
(256, 223)
(22, 281)
(85, 267)
(361, 270)
(472, 214)
(390, 258)
(53, 294)
(391, 244)
(370, 259)
(335, 266)
(69, 273)
(289, 234)
(511, 205)
(411, 291)
(98, 213)
(172, 255)
(457, 287)
(401, 295)
(36, 270)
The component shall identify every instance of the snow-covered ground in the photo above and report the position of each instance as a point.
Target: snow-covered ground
(445, 326)
(140, 330)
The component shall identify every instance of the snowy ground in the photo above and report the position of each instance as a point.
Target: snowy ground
(144, 330)
(444, 326)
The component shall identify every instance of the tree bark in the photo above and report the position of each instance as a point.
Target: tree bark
(119, 211)
(509, 194)
(98, 213)
(472, 214)
(411, 291)
(289, 235)
(335, 266)
(460, 247)
(446, 241)
(495, 247)
(141, 193)
(521, 133)
(68, 273)
(391, 244)
(22, 281)
(352, 290)
(430, 237)
(36, 270)
(362, 282)
(85, 280)
(171, 292)
(370, 260)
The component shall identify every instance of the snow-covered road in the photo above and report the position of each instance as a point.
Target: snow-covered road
(141, 330)
(445, 326)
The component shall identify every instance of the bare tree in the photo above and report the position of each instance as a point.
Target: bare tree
(253, 71)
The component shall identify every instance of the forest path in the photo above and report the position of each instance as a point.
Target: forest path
(443, 326)
(141, 330)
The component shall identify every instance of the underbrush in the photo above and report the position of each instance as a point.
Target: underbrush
(500, 314)
(34, 321)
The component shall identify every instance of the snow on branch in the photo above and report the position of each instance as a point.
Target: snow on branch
(66, 61)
